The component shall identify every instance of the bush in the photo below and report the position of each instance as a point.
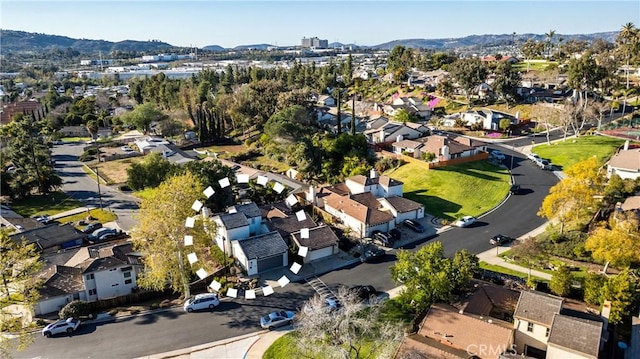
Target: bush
(75, 309)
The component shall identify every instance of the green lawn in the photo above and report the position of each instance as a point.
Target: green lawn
(564, 154)
(504, 270)
(451, 192)
(101, 215)
(285, 347)
(50, 204)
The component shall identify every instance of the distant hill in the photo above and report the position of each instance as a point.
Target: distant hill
(488, 40)
(215, 48)
(21, 41)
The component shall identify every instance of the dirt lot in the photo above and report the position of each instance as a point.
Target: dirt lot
(116, 171)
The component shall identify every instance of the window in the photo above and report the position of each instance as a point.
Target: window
(89, 276)
(92, 292)
(127, 274)
(547, 333)
(530, 327)
(127, 281)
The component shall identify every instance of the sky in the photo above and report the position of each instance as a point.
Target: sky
(230, 23)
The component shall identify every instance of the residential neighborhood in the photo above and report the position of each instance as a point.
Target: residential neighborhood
(322, 200)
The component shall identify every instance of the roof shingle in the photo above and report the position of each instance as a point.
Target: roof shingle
(538, 307)
(263, 246)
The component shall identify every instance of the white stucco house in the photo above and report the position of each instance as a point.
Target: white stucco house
(88, 273)
(402, 208)
(322, 242)
(625, 163)
(262, 252)
(379, 186)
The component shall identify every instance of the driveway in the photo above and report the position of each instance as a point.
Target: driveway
(77, 184)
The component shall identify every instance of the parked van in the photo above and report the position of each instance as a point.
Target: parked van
(201, 301)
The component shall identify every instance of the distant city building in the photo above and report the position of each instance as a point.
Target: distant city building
(97, 62)
(314, 43)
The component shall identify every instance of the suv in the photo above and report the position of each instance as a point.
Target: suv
(382, 239)
(415, 225)
(62, 326)
(201, 301)
(497, 155)
(544, 164)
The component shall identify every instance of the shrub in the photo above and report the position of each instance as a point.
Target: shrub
(75, 309)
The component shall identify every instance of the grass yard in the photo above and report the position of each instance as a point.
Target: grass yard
(145, 193)
(49, 204)
(536, 65)
(503, 270)
(75, 139)
(565, 154)
(225, 150)
(100, 215)
(451, 192)
(285, 347)
(116, 171)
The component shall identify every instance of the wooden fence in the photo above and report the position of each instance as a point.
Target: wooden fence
(430, 165)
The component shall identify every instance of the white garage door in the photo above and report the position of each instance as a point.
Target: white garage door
(320, 253)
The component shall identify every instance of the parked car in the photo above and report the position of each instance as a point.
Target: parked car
(201, 301)
(544, 164)
(515, 189)
(465, 221)
(382, 239)
(413, 224)
(44, 218)
(277, 319)
(372, 254)
(497, 155)
(533, 157)
(91, 227)
(103, 233)
(62, 326)
(395, 234)
(364, 292)
(500, 239)
(126, 149)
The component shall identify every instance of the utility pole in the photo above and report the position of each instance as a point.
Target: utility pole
(97, 172)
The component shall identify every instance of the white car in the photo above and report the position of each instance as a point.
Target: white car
(201, 301)
(465, 221)
(62, 326)
(126, 149)
(277, 319)
(533, 157)
(498, 155)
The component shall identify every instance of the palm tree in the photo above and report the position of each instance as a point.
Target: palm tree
(550, 36)
(625, 39)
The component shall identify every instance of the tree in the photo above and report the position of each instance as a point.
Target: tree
(550, 35)
(504, 124)
(531, 49)
(465, 266)
(30, 155)
(628, 41)
(346, 332)
(159, 236)
(170, 127)
(288, 125)
(428, 276)
(593, 284)
(404, 116)
(149, 172)
(507, 82)
(92, 128)
(19, 265)
(528, 251)
(561, 281)
(210, 173)
(616, 244)
(445, 87)
(469, 74)
(142, 116)
(622, 291)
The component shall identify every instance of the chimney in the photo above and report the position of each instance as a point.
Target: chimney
(626, 145)
(398, 138)
(373, 173)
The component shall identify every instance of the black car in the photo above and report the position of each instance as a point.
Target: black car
(372, 254)
(515, 189)
(395, 234)
(92, 227)
(500, 239)
(415, 225)
(364, 292)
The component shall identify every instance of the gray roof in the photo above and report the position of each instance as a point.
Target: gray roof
(576, 334)
(263, 246)
(61, 280)
(538, 307)
(250, 210)
(50, 236)
(234, 220)
(319, 237)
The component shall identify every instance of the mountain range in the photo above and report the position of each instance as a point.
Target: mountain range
(21, 41)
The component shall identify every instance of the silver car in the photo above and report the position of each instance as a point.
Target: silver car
(277, 319)
(62, 326)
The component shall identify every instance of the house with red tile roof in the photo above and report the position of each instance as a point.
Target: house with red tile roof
(25, 107)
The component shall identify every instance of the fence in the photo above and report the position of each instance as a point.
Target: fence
(124, 300)
(430, 165)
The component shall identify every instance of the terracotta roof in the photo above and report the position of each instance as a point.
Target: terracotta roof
(358, 211)
(538, 307)
(403, 205)
(629, 160)
(263, 246)
(446, 324)
(319, 237)
(580, 335)
(418, 347)
(25, 107)
(631, 203)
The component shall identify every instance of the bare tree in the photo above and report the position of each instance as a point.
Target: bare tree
(345, 332)
(599, 109)
(547, 115)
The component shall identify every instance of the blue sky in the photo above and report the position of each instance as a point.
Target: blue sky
(239, 22)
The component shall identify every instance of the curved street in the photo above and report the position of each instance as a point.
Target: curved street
(175, 329)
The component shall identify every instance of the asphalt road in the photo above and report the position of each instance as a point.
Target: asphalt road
(77, 184)
(175, 329)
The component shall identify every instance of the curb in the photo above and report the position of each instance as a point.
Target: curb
(198, 348)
